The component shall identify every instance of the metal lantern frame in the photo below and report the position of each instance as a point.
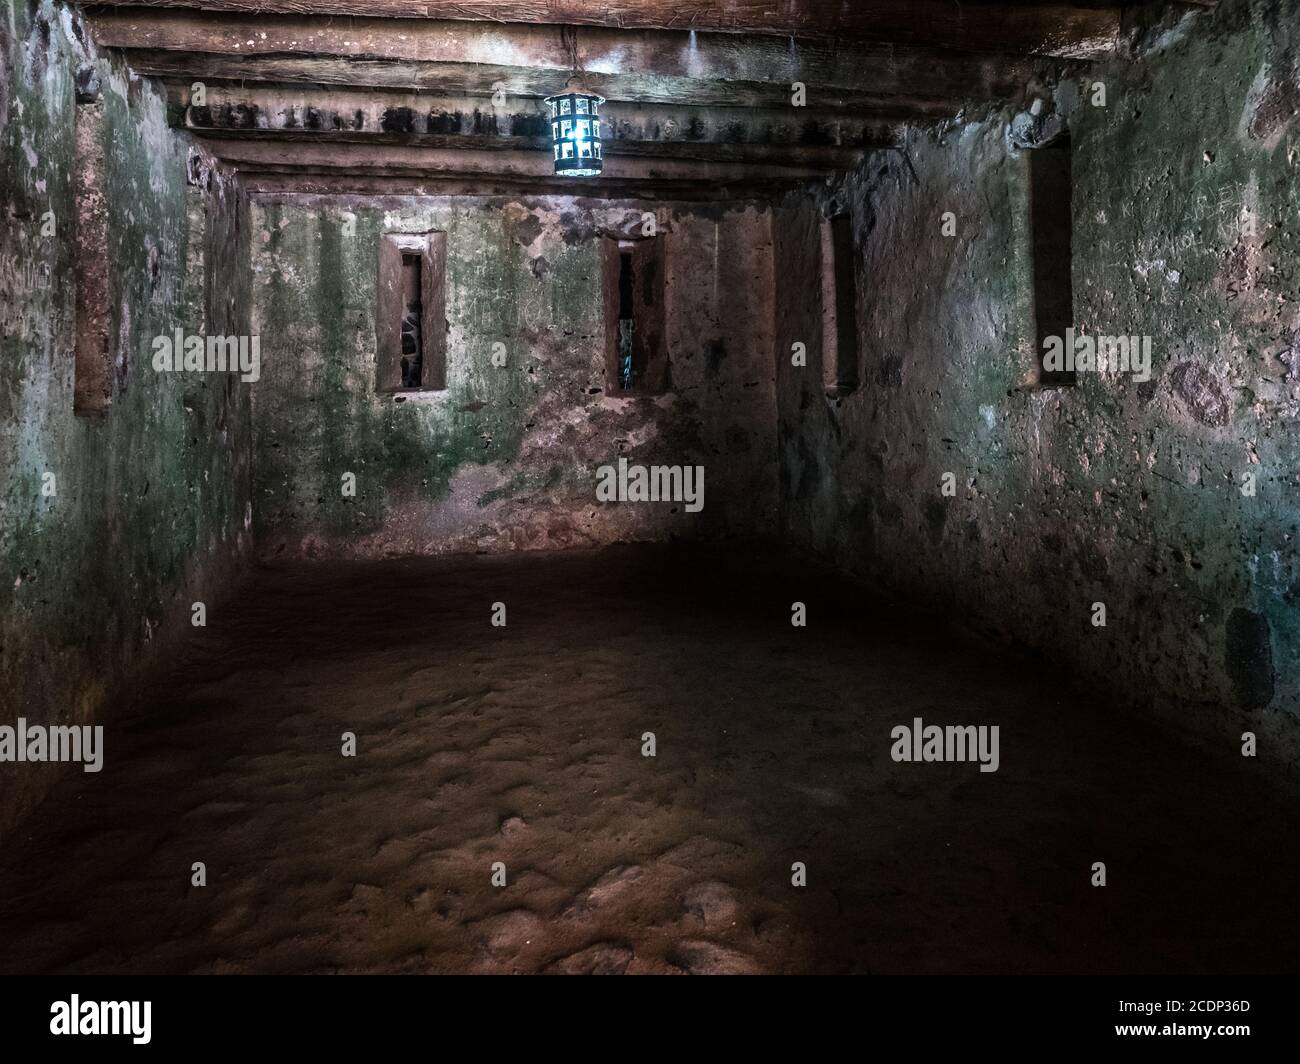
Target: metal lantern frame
(575, 132)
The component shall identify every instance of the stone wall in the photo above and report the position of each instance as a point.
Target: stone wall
(111, 523)
(506, 457)
(1186, 219)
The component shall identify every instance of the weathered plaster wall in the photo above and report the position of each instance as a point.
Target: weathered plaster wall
(151, 496)
(505, 457)
(1111, 491)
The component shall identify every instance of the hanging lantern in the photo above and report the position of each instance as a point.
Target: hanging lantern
(575, 132)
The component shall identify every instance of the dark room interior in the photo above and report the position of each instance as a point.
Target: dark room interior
(499, 487)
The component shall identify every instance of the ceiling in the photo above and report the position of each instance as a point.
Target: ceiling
(392, 95)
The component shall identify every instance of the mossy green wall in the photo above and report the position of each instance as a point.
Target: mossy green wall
(506, 456)
(151, 496)
(1112, 491)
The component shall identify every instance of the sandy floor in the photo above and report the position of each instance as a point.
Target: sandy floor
(523, 745)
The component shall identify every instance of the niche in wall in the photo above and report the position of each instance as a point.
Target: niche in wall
(636, 354)
(839, 307)
(1051, 227)
(411, 313)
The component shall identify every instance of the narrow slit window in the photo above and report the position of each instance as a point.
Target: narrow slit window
(412, 361)
(636, 361)
(1051, 235)
(410, 316)
(839, 307)
(628, 371)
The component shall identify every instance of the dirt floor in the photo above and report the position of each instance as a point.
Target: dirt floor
(523, 745)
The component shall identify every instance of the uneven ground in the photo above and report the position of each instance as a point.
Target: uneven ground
(522, 745)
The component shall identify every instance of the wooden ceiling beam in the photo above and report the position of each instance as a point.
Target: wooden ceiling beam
(805, 157)
(420, 162)
(647, 54)
(393, 192)
(485, 80)
(1041, 27)
(626, 128)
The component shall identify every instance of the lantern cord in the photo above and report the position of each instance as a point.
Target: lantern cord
(569, 41)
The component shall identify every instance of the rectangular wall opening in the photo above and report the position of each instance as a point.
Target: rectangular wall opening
(636, 361)
(413, 309)
(630, 369)
(839, 307)
(411, 313)
(1051, 235)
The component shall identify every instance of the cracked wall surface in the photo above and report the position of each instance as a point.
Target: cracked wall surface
(150, 496)
(1187, 229)
(506, 457)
